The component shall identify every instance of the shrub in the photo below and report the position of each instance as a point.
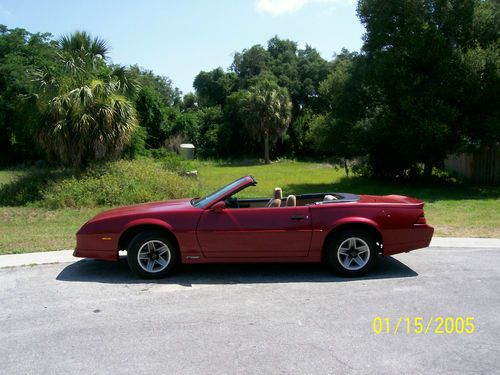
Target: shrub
(137, 146)
(114, 183)
(119, 183)
(171, 161)
(28, 188)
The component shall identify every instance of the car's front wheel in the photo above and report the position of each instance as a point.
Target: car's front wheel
(151, 255)
(351, 253)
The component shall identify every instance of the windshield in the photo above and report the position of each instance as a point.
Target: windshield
(202, 202)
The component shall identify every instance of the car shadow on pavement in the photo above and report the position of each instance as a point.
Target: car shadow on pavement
(197, 274)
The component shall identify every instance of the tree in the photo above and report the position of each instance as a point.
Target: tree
(238, 142)
(338, 130)
(86, 114)
(412, 51)
(312, 69)
(169, 94)
(266, 110)
(250, 63)
(82, 51)
(212, 88)
(189, 101)
(298, 70)
(480, 76)
(150, 109)
(214, 141)
(20, 52)
(155, 98)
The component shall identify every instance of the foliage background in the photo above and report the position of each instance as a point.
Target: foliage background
(424, 85)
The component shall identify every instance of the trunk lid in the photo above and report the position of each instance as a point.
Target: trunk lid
(391, 199)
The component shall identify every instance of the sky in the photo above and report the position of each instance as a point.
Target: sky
(179, 38)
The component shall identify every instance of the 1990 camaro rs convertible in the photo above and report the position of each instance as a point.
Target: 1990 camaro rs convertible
(347, 231)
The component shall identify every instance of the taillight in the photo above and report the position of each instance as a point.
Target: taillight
(421, 219)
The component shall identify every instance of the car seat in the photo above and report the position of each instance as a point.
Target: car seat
(275, 201)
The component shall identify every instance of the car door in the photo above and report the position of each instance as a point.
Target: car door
(279, 232)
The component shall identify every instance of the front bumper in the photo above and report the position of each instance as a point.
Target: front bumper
(97, 246)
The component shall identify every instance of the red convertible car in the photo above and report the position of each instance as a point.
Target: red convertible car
(347, 231)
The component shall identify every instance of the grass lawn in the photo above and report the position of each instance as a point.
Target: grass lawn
(26, 229)
(453, 209)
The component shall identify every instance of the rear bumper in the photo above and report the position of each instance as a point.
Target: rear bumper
(97, 246)
(404, 240)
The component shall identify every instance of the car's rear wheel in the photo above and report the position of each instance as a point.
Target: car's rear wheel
(151, 255)
(352, 252)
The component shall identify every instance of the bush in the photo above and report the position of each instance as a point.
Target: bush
(114, 183)
(27, 188)
(171, 161)
(123, 182)
(137, 145)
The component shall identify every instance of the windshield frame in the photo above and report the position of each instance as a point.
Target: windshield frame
(224, 192)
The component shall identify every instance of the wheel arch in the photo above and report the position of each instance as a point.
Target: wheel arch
(134, 228)
(365, 226)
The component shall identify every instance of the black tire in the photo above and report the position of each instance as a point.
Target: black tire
(150, 245)
(344, 261)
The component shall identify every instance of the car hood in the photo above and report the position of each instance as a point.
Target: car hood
(143, 208)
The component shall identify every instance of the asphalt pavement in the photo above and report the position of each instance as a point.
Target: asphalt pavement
(95, 317)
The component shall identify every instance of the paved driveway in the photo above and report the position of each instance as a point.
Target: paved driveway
(95, 317)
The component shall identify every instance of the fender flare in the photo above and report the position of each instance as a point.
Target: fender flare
(146, 221)
(354, 220)
(150, 221)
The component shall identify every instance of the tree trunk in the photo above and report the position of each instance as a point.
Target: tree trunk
(266, 149)
(346, 167)
(428, 169)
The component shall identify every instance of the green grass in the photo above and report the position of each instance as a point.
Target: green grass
(287, 174)
(26, 229)
(454, 209)
(8, 176)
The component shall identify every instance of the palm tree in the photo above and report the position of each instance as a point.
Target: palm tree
(81, 52)
(266, 110)
(86, 113)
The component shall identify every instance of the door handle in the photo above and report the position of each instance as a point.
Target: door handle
(299, 217)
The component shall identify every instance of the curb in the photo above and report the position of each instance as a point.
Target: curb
(29, 259)
(465, 242)
(66, 256)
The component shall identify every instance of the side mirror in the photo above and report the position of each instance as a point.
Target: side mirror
(218, 207)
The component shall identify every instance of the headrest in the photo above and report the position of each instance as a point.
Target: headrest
(329, 197)
(291, 200)
(278, 193)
